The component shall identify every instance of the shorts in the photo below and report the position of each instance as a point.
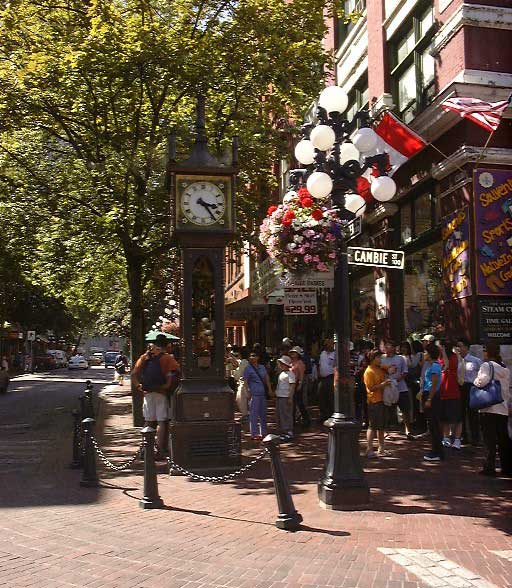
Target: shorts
(155, 407)
(451, 411)
(378, 416)
(404, 401)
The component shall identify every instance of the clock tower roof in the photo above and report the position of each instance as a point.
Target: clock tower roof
(200, 158)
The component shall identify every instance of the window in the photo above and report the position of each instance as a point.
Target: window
(418, 216)
(344, 28)
(358, 98)
(413, 68)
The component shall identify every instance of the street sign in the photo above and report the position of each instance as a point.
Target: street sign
(376, 257)
(31, 335)
(353, 229)
(300, 301)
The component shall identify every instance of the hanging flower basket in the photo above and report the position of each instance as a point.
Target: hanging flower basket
(301, 234)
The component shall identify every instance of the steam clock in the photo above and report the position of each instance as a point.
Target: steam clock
(204, 434)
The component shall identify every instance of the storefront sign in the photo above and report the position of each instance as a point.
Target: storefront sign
(456, 261)
(300, 301)
(496, 320)
(493, 231)
(263, 279)
(376, 257)
(311, 280)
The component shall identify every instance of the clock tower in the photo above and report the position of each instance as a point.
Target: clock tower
(203, 433)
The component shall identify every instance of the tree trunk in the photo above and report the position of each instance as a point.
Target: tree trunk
(137, 342)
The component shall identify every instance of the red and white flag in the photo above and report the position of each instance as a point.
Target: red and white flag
(398, 140)
(486, 114)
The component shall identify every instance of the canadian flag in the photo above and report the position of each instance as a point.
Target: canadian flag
(398, 140)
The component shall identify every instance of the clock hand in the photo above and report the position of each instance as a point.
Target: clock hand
(204, 204)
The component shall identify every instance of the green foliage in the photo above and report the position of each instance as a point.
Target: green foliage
(89, 90)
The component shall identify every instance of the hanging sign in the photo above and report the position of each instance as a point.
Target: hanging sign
(455, 261)
(493, 231)
(300, 301)
(353, 229)
(376, 257)
(310, 280)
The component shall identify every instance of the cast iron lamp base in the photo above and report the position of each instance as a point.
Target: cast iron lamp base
(343, 485)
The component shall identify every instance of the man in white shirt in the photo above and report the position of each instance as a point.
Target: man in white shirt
(285, 390)
(326, 365)
(398, 373)
(470, 418)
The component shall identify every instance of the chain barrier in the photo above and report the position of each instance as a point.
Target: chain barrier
(216, 479)
(111, 465)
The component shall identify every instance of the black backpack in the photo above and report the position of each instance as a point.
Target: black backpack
(152, 377)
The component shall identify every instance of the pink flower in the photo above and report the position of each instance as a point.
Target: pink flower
(332, 255)
(321, 267)
(307, 258)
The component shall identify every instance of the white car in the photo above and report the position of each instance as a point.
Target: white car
(77, 362)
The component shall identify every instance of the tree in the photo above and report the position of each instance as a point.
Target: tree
(89, 90)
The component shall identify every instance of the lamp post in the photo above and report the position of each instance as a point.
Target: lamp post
(333, 151)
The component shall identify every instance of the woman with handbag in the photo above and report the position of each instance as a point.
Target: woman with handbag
(494, 418)
(256, 378)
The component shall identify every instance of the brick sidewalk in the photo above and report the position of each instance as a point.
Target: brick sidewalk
(435, 525)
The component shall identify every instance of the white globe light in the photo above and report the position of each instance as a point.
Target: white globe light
(333, 99)
(322, 137)
(305, 152)
(172, 302)
(383, 188)
(348, 153)
(319, 184)
(290, 196)
(365, 140)
(355, 203)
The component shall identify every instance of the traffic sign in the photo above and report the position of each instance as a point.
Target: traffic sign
(31, 335)
(376, 257)
(353, 229)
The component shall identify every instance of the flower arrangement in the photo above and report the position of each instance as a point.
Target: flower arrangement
(300, 234)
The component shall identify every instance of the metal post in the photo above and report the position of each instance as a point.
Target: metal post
(288, 519)
(89, 399)
(77, 457)
(89, 476)
(343, 484)
(151, 498)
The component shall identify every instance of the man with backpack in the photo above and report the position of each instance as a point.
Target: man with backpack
(153, 375)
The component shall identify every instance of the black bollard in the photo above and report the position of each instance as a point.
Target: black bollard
(288, 519)
(89, 405)
(83, 409)
(151, 498)
(77, 456)
(89, 476)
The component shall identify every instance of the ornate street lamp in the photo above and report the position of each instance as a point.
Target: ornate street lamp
(332, 149)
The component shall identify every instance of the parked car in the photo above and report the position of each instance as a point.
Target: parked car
(96, 359)
(110, 358)
(60, 356)
(78, 362)
(44, 361)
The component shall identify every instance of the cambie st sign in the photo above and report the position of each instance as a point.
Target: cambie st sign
(376, 257)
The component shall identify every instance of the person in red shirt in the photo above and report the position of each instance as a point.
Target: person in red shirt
(451, 410)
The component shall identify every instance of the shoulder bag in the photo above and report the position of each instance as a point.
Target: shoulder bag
(487, 396)
(267, 391)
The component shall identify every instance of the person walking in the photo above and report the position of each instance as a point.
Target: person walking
(326, 365)
(451, 414)
(153, 376)
(285, 390)
(399, 374)
(242, 398)
(376, 379)
(257, 380)
(299, 369)
(494, 419)
(121, 367)
(470, 417)
(4, 380)
(432, 401)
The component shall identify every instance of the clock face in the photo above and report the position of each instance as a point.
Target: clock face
(203, 203)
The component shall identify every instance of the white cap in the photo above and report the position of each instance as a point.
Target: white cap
(286, 360)
(430, 338)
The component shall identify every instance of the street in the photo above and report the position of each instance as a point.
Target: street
(435, 525)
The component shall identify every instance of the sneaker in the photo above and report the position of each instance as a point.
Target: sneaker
(456, 444)
(371, 454)
(446, 442)
(383, 453)
(431, 456)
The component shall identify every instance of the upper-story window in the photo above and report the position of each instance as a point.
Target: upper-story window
(349, 6)
(418, 216)
(358, 98)
(413, 68)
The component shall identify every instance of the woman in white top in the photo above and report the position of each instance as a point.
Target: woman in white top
(494, 419)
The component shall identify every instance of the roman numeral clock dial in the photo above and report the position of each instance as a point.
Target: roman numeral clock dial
(203, 203)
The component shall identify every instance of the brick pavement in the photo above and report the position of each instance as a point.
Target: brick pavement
(427, 525)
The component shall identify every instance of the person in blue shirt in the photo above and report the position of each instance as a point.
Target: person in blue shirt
(256, 378)
(432, 401)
